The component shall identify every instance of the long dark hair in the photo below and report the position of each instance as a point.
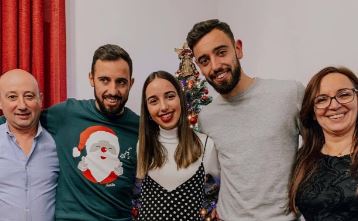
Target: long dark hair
(151, 152)
(313, 137)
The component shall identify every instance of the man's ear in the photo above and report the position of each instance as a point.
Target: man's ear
(41, 97)
(132, 82)
(91, 78)
(238, 49)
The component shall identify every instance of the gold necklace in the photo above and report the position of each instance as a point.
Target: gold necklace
(342, 152)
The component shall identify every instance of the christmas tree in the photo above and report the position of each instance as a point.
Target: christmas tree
(196, 95)
(195, 90)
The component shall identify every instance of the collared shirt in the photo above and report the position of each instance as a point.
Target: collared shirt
(27, 182)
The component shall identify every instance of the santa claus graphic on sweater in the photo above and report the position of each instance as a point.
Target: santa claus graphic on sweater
(101, 164)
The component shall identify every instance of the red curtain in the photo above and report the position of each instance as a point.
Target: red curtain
(33, 38)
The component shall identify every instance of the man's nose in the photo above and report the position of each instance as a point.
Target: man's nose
(215, 64)
(112, 89)
(21, 103)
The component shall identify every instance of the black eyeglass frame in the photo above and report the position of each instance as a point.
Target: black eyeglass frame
(354, 90)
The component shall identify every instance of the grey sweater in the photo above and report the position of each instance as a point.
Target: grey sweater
(256, 136)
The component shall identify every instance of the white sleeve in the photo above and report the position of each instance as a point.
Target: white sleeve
(211, 162)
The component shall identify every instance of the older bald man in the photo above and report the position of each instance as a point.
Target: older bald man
(28, 159)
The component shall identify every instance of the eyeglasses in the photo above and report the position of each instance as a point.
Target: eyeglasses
(343, 96)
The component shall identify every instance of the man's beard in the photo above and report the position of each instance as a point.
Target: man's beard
(113, 112)
(227, 86)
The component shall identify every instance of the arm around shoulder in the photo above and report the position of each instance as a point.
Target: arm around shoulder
(300, 95)
(2, 119)
(52, 117)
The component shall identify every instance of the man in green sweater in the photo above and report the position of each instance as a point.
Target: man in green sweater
(96, 142)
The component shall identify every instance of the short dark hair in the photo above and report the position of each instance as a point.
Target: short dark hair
(200, 29)
(111, 52)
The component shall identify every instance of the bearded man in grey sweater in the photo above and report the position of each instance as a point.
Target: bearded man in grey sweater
(254, 124)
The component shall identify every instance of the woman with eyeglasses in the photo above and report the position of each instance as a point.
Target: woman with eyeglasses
(325, 177)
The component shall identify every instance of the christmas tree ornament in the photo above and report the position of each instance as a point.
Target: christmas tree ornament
(134, 212)
(193, 119)
(203, 212)
(195, 90)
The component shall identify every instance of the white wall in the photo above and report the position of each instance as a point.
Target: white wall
(282, 39)
(294, 39)
(148, 30)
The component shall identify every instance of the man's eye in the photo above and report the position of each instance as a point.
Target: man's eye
(122, 83)
(29, 97)
(104, 80)
(221, 52)
(12, 97)
(203, 61)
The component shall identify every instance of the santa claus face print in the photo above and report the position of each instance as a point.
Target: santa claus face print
(112, 83)
(103, 150)
(101, 163)
(163, 103)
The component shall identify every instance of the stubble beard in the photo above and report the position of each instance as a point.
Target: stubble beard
(110, 112)
(227, 86)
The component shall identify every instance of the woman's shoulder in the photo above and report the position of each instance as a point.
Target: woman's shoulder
(205, 140)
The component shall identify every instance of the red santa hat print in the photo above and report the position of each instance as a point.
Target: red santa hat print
(94, 134)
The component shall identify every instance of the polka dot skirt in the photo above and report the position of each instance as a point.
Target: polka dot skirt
(182, 203)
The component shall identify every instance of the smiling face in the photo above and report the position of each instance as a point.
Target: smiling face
(218, 59)
(163, 103)
(337, 119)
(112, 82)
(20, 100)
(104, 149)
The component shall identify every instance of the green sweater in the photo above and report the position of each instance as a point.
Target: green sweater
(97, 158)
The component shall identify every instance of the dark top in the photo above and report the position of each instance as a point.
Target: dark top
(181, 204)
(330, 194)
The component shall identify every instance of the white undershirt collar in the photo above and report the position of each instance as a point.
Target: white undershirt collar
(168, 136)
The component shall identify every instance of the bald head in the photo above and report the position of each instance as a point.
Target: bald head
(20, 100)
(17, 76)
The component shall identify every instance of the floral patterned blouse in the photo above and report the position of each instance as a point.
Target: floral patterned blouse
(330, 194)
